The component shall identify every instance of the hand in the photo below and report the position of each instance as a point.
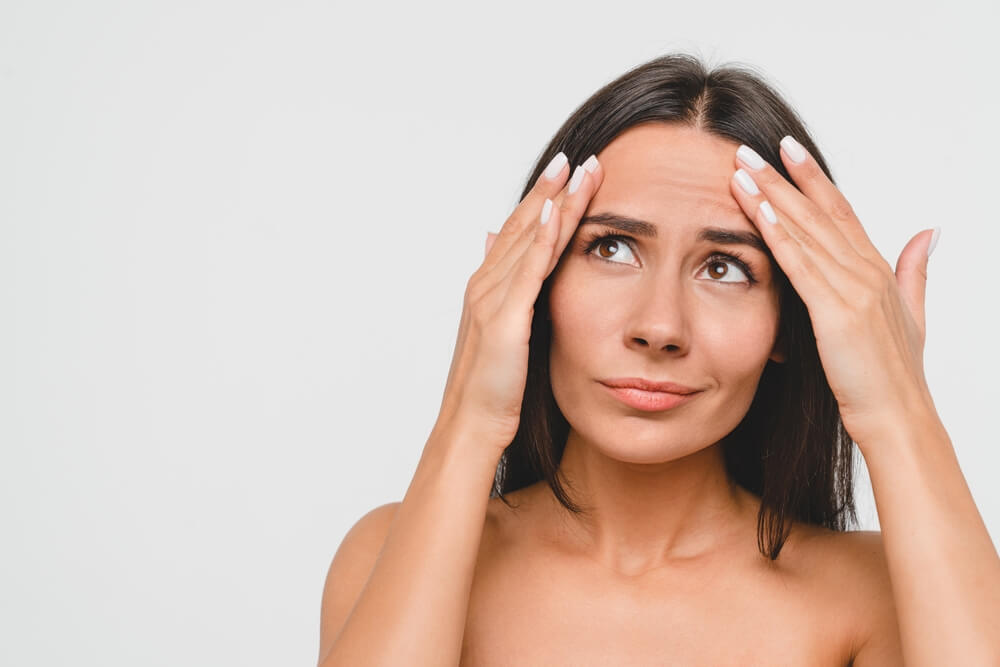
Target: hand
(868, 321)
(489, 369)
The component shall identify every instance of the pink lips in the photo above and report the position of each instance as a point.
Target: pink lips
(648, 395)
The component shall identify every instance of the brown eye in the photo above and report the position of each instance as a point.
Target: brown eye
(718, 274)
(607, 246)
(609, 243)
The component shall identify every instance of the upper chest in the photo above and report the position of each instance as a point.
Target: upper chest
(530, 607)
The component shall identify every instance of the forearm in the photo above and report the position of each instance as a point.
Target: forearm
(944, 569)
(413, 608)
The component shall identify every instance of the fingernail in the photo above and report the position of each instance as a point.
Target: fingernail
(768, 212)
(745, 182)
(794, 150)
(574, 182)
(750, 157)
(546, 210)
(591, 164)
(555, 165)
(934, 240)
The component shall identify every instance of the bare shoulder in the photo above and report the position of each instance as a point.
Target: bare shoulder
(856, 562)
(350, 568)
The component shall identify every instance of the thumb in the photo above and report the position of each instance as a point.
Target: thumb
(911, 273)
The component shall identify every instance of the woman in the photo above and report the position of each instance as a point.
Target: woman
(661, 366)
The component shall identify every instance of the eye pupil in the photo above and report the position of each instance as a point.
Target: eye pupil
(606, 244)
(719, 275)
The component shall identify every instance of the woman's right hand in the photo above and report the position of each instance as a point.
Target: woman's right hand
(486, 382)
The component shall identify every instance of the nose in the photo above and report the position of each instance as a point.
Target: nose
(658, 319)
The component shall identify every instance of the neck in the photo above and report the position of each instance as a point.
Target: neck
(643, 516)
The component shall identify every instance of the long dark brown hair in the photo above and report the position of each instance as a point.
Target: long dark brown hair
(790, 449)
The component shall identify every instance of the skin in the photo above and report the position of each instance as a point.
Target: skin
(666, 563)
(656, 480)
(665, 569)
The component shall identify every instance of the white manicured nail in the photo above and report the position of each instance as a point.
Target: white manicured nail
(574, 182)
(591, 164)
(934, 240)
(546, 210)
(745, 182)
(794, 149)
(768, 212)
(750, 157)
(555, 165)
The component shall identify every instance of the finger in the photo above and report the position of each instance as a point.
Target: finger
(572, 206)
(806, 214)
(911, 275)
(813, 182)
(549, 183)
(584, 187)
(751, 198)
(495, 295)
(490, 239)
(812, 271)
(527, 276)
(501, 270)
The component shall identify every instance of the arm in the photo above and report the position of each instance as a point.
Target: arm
(944, 569)
(412, 609)
(349, 571)
(870, 327)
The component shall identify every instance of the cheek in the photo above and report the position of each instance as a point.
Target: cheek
(583, 312)
(738, 346)
(583, 320)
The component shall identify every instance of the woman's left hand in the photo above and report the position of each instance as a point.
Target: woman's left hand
(868, 320)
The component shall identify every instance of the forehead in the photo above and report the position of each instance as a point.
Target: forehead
(669, 174)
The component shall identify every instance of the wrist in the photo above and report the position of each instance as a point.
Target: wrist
(457, 444)
(904, 433)
(463, 431)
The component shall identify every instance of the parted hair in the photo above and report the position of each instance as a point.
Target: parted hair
(791, 448)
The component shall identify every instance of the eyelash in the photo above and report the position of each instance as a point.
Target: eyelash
(732, 256)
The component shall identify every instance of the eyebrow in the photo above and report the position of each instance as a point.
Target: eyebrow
(642, 228)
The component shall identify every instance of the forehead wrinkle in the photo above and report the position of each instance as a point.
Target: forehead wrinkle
(683, 191)
(679, 177)
(646, 175)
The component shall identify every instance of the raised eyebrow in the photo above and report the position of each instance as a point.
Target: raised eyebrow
(638, 227)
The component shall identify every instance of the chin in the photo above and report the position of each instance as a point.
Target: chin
(631, 440)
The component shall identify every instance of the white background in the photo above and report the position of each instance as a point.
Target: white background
(235, 236)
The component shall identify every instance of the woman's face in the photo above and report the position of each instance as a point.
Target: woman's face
(663, 308)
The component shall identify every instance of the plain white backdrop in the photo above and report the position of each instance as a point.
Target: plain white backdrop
(235, 236)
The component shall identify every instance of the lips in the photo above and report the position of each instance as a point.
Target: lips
(650, 401)
(649, 385)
